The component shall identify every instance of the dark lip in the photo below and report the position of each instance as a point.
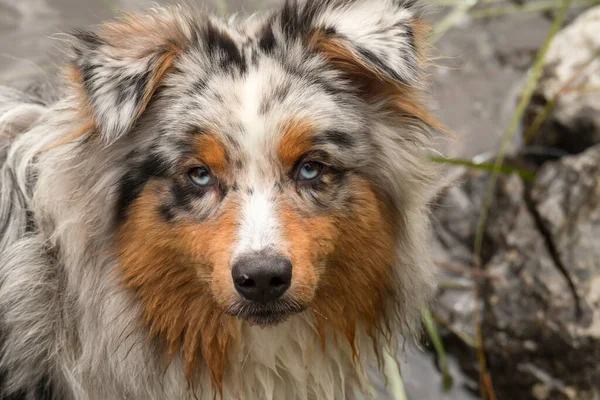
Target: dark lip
(270, 314)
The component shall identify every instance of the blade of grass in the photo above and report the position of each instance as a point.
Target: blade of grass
(436, 340)
(456, 285)
(527, 175)
(393, 378)
(465, 270)
(486, 385)
(468, 340)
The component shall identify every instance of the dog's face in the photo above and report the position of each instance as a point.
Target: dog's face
(267, 167)
(262, 186)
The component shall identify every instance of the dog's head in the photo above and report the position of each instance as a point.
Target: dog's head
(268, 166)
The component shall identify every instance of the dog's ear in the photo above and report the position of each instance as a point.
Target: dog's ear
(117, 68)
(383, 36)
(377, 44)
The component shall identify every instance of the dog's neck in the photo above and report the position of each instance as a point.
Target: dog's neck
(284, 361)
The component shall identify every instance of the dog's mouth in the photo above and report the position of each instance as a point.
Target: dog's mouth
(268, 314)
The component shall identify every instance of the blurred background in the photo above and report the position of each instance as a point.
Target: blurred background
(517, 232)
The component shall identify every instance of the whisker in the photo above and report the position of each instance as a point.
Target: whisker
(326, 319)
(247, 354)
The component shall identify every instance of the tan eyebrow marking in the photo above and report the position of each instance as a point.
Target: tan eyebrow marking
(210, 149)
(296, 140)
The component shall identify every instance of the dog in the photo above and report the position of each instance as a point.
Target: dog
(218, 209)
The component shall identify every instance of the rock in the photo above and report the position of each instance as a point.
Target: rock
(540, 297)
(573, 62)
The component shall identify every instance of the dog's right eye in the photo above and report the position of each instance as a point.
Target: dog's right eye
(200, 176)
(310, 171)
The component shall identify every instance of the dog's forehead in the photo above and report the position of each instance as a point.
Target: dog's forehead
(249, 106)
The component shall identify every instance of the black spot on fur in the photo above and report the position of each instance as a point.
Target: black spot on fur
(407, 4)
(87, 73)
(232, 141)
(223, 190)
(267, 40)
(199, 86)
(133, 182)
(180, 197)
(281, 92)
(325, 86)
(330, 31)
(297, 19)
(219, 98)
(30, 225)
(133, 88)
(90, 39)
(379, 63)
(140, 83)
(166, 212)
(341, 139)
(410, 35)
(221, 45)
(193, 131)
(311, 78)
(278, 95)
(254, 57)
(265, 106)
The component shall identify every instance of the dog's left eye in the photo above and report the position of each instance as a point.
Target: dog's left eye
(310, 170)
(200, 176)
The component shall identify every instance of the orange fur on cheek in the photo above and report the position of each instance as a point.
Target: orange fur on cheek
(169, 265)
(355, 287)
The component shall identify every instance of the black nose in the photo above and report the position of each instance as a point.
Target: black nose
(262, 277)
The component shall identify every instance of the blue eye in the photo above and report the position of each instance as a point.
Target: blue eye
(200, 177)
(310, 170)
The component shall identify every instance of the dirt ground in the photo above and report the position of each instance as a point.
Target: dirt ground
(479, 68)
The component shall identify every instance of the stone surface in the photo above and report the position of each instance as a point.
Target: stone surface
(540, 297)
(572, 65)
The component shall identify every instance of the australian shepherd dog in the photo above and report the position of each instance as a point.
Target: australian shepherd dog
(218, 209)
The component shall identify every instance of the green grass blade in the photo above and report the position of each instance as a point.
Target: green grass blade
(436, 340)
(393, 377)
(505, 169)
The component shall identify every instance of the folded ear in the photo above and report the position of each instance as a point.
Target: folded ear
(117, 69)
(377, 44)
(382, 35)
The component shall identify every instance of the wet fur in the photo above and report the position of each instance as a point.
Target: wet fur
(97, 297)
